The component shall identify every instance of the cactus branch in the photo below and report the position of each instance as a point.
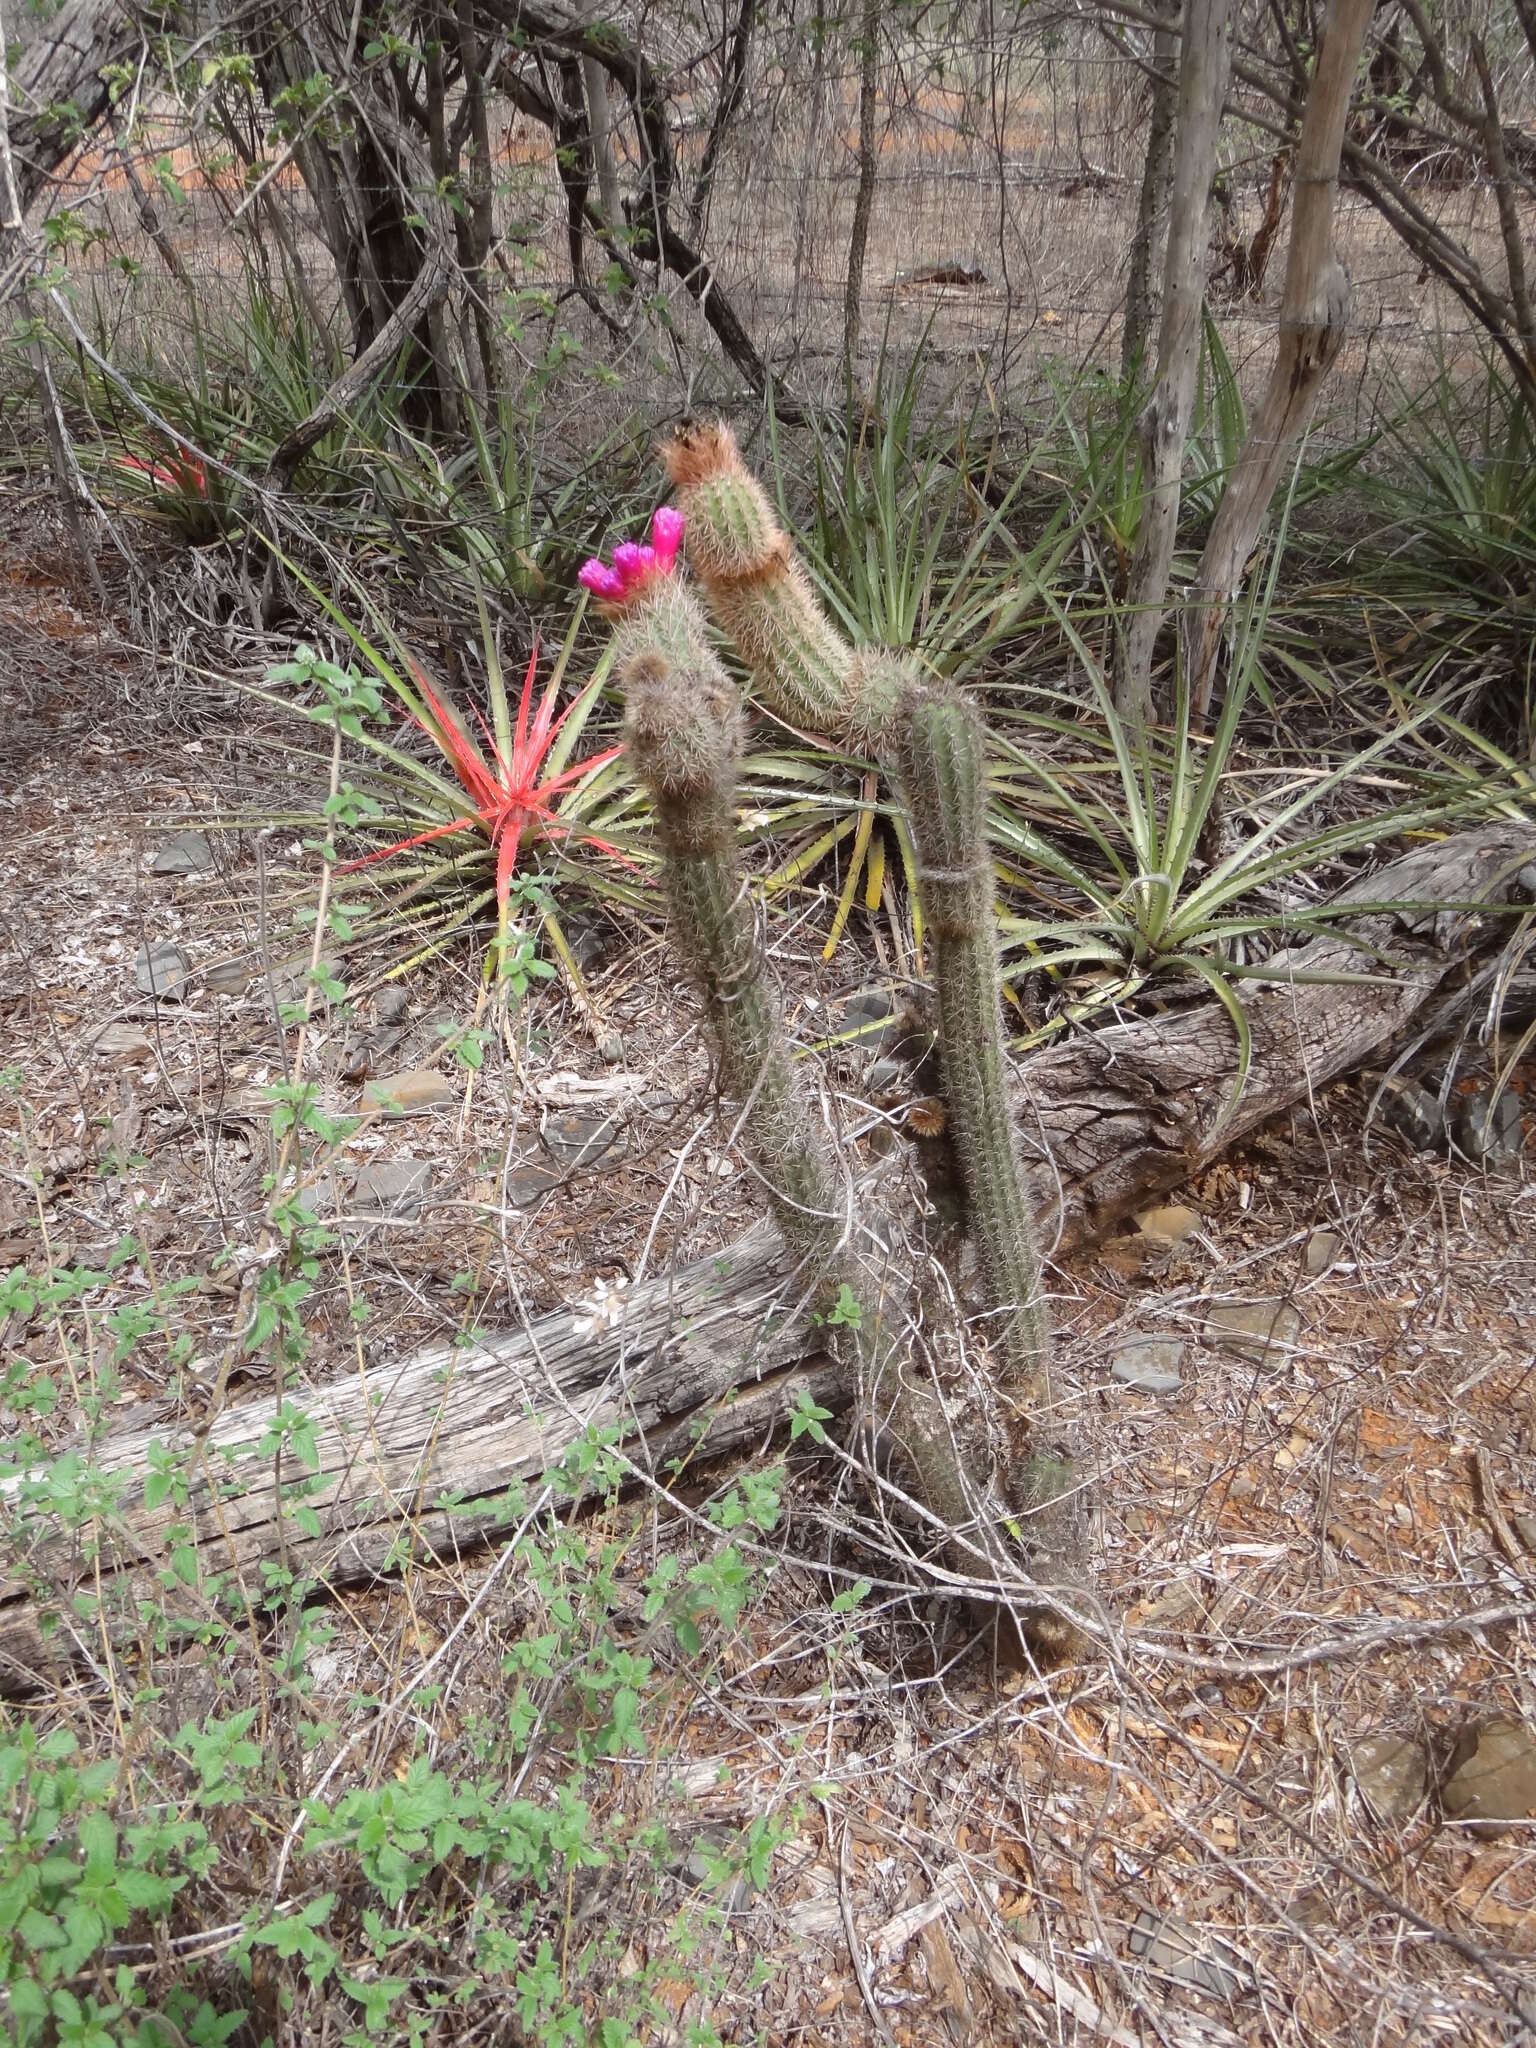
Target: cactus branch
(756, 588)
(683, 723)
(941, 761)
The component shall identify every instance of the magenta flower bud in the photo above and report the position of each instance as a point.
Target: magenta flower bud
(666, 537)
(629, 561)
(603, 582)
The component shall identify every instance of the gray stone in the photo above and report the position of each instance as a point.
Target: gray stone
(1491, 1133)
(1414, 1114)
(1492, 1779)
(1150, 1364)
(391, 1187)
(1322, 1253)
(575, 1140)
(528, 1180)
(872, 1014)
(118, 1041)
(161, 969)
(228, 977)
(1524, 1527)
(610, 1048)
(1183, 1954)
(291, 979)
(1264, 1332)
(391, 1004)
(1392, 1775)
(409, 1093)
(187, 854)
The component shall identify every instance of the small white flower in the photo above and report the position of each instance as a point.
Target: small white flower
(604, 1311)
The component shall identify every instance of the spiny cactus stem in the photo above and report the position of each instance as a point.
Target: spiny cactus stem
(940, 750)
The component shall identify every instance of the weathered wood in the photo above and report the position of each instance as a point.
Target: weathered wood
(1123, 1112)
(390, 1446)
(1116, 1114)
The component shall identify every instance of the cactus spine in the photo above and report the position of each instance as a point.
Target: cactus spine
(939, 748)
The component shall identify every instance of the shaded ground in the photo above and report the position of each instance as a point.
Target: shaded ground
(1297, 1543)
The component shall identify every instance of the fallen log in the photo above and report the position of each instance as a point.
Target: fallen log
(416, 1463)
(439, 1453)
(1116, 1114)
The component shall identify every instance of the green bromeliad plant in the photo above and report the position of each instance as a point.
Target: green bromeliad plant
(1155, 865)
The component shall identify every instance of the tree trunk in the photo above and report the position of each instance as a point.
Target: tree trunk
(19, 263)
(1154, 181)
(600, 124)
(1123, 1113)
(864, 199)
(479, 201)
(732, 85)
(1313, 313)
(57, 93)
(1164, 425)
(805, 190)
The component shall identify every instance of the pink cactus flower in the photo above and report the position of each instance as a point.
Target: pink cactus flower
(667, 537)
(635, 563)
(604, 583)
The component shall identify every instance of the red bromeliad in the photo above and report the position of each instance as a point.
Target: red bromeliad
(178, 473)
(510, 802)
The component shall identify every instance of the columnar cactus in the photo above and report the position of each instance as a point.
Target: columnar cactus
(683, 722)
(683, 726)
(808, 674)
(803, 669)
(941, 763)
